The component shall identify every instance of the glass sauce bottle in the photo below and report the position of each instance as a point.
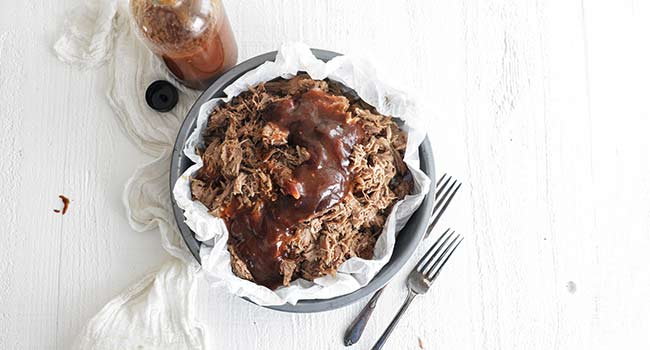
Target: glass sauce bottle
(193, 37)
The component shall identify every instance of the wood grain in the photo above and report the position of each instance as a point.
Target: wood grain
(540, 107)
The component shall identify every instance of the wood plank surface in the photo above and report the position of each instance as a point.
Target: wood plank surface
(539, 107)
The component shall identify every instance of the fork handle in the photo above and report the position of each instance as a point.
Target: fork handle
(382, 340)
(354, 332)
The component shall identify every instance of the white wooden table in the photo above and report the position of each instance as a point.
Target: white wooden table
(540, 107)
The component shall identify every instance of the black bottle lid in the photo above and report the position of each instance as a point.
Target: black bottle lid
(162, 96)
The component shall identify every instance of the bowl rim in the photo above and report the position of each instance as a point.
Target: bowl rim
(415, 227)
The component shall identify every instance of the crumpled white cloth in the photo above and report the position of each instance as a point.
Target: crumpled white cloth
(160, 311)
(155, 313)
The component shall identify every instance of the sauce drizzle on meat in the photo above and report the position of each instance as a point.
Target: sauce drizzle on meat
(320, 123)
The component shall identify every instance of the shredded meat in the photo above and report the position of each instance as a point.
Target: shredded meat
(248, 159)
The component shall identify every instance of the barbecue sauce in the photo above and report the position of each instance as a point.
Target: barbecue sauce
(320, 123)
(193, 37)
(66, 204)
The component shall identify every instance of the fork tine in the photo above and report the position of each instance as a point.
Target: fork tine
(440, 252)
(430, 274)
(445, 203)
(442, 185)
(430, 254)
(441, 178)
(440, 199)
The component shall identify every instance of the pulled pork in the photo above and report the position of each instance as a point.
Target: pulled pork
(248, 159)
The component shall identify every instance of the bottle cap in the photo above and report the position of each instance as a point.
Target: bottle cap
(162, 96)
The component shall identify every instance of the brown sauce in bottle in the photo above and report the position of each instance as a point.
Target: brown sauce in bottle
(200, 68)
(320, 123)
(193, 37)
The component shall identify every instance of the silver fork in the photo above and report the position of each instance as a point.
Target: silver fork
(444, 194)
(423, 275)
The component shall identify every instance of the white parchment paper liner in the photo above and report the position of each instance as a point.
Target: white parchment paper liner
(354, 273)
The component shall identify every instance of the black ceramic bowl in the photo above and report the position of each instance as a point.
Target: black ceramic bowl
(407, 239)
